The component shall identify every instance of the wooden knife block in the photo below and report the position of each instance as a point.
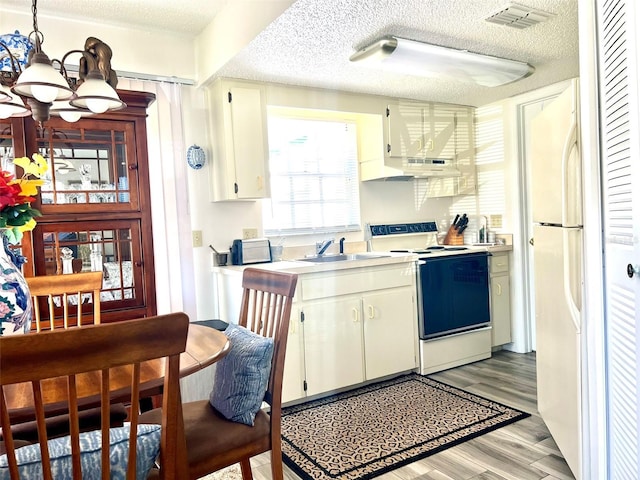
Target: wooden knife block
(453, 237)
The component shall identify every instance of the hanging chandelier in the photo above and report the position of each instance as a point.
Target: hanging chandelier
(52, 92)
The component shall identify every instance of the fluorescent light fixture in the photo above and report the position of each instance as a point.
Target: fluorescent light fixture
(417, 58)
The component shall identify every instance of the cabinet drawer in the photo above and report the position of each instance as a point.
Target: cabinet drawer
(499, 263)
(345, 282)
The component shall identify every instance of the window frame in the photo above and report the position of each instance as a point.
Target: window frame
(271, 230)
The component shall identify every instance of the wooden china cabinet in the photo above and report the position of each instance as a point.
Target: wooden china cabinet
(95, 202)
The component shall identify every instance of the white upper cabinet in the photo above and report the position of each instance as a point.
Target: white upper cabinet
(427, 140)
(420, 130)
(238, 126)
(461, 147)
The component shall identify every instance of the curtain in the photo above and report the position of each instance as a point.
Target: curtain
(169, 200)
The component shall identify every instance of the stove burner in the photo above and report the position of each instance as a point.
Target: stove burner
(436, 247)
(456, 248)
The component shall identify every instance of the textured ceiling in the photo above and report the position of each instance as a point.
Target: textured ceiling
(310, 43)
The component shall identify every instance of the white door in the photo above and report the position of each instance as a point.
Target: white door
(618, 58)
(558, 287)
(333, 344)
(555, 162)
(390, 332)
(293, 378)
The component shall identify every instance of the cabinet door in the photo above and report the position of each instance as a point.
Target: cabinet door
(390, 335)
(439, 128)
(248, 125)
(405, 123)
(500, 310)
(460, 147)
(113, 248)
(333, 344)
(92, 167)
(293, 379)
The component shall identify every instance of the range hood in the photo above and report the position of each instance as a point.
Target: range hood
(418, 167)
(430, 167)
(408, 168)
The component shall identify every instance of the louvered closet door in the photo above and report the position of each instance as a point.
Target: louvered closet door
(620, 135)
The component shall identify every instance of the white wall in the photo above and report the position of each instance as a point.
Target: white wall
(222, 222)
(166, 55)
(134, 50)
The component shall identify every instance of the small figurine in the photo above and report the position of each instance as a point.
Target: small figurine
(67, 260)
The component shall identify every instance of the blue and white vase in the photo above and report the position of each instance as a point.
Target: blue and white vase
(19, 46)
(15, 299)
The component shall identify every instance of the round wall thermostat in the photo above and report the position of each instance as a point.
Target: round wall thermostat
(195, 157)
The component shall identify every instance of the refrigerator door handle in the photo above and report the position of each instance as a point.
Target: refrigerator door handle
(570, 143)
(574, 310)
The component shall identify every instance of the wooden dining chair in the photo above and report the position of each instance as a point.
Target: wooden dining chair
(93, 363)
(213, 441)
(47, 290)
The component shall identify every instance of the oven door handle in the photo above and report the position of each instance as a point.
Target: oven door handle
(422, 262)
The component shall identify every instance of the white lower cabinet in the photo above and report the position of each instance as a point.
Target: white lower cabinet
(357, 325)
(390, 332)
(347, 326)
(500, 299)
(292, 385)
(333, 347)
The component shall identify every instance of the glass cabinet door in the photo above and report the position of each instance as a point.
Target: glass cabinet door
(89, 167)
(93, 246)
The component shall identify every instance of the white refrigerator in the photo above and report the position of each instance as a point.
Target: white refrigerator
(557, 252)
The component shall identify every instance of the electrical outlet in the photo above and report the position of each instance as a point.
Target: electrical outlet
(495, 221)
(249, 233)
(196, 238)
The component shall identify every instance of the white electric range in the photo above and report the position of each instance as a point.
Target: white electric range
(452, 290)
(420, 238)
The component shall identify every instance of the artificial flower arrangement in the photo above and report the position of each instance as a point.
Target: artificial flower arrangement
(16, 195)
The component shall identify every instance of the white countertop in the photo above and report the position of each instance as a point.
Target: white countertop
(300, 266)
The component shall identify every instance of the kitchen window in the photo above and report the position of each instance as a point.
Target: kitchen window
(313, 165)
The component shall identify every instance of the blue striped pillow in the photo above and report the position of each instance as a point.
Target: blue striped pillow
(242, 376)
(148, 447)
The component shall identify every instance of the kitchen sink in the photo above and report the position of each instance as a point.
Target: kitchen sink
(341, 257)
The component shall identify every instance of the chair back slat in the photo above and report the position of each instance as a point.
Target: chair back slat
(46, 289)
(108, 350)
(266, 310)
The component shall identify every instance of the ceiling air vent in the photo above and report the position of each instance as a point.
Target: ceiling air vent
(519, 16)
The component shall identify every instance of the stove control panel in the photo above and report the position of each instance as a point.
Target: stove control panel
(403, 228)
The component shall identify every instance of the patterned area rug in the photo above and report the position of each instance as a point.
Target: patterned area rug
(372, 430)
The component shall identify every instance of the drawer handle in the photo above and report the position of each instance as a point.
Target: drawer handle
(499, 289)
(355, 314)
(372, 312)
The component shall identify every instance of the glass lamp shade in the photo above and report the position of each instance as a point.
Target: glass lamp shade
(97, 95)
(15, 107)
(68, 112)
(42, 82)
(4, 95)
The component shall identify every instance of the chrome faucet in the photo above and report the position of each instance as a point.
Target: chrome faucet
(321, 247)
(342, 245)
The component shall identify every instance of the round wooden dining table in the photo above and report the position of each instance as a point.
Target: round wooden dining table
(205, 346)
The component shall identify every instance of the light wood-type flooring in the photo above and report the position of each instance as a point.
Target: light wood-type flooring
(520, 451)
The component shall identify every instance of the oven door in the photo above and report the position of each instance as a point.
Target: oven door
(453, 293)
